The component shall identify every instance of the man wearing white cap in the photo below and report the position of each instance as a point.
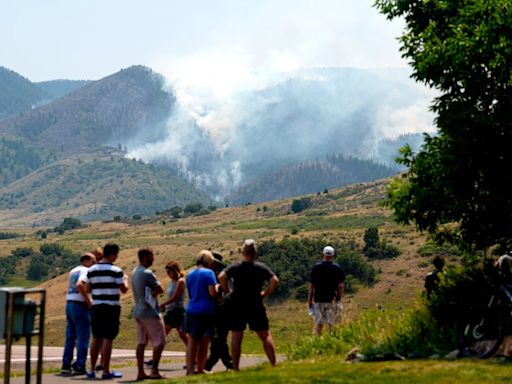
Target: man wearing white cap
(326, 287)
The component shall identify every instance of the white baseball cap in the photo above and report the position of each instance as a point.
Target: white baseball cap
(328, 251)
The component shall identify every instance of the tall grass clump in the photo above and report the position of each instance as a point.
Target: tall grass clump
(429, 328)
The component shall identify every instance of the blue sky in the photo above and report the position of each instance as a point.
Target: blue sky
(89, 39)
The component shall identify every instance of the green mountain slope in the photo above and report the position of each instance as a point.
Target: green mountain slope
(18, 158)
(94, 185)
(310, 177)
(17, 94)
(60, 88)
(108, 111)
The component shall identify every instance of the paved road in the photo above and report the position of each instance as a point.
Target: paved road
(54, 355)
(171, 366)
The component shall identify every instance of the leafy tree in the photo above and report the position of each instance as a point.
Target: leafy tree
(52, 249)
(193, 208)
(67, 224)
(292, 260)
(22, 252)
(37, 269)
(371, 237)
(176, 211)
(8, 235)
(7, 268)
(462, 49)
(299, 205)
(377, 248)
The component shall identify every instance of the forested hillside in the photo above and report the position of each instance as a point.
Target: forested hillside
(60, 88)
(112, 110)
(18, 158)
(99, 184)
(17, 94)
(310, 177)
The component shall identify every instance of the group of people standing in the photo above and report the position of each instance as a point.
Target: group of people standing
(221, 299)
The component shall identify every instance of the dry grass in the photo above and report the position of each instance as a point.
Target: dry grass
(181, 240)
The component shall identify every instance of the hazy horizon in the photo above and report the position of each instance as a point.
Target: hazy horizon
(58, 39)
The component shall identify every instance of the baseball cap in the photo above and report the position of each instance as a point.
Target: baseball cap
(328, 251)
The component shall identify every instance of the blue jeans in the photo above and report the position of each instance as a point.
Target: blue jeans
(78, 332)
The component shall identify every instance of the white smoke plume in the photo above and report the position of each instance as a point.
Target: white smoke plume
(233, 123)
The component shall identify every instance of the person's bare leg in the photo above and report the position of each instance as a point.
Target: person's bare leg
(157, 354)
(318, 329)
(268, 346)
(192, 346)
(140, 361)
(202, 353)
(106, 351)
(183, 335)
(236, 348)
(95, 351)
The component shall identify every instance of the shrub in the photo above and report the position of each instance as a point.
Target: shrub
(175, 212)
(299, 205)
(375, 248)
(193, 208)
(292, 259)
(429, 328)
(22, 252)
(7, 268)
(67, 224)
(8, 235)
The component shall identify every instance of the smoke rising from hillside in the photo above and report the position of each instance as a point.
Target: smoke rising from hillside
(232, 125)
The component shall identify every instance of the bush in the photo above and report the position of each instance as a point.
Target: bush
(299, 205)
(429, 328)
(37, 269)
(67, 224)
(193, 208)
(292, 259)
(8, 235)
(7, 268)
(375, 248)
(22, 252)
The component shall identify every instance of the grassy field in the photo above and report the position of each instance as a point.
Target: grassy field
(342, 214)
(335, 370)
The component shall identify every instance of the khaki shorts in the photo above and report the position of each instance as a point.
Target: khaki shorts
(151, 329)
(327, 313)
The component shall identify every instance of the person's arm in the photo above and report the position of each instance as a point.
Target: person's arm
(180, 287)
(311, 292)
(341, 290)
(223, 281)
(84, 289)
(123, 287)
(212, 290)
(212, 284)
(272, 284)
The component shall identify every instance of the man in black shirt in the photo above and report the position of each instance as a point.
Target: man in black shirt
(326, 290)
(246, 299)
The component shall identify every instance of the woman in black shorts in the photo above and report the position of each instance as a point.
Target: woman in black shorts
(174, 306)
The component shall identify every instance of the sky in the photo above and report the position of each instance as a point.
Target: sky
(90, 39)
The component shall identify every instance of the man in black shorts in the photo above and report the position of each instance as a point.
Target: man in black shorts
(105, 281)
(247, 300)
